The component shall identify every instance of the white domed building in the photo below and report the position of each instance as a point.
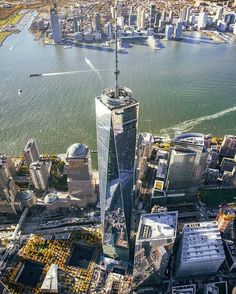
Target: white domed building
(80, 178)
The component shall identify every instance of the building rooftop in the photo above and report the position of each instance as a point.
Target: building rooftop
(201, 241)
(182, 151)
(77, 150)
(158, 225)
(192, 138)
(216, 288)
(36, 165)
(184, 289)
(29, 144)
(27, 195)
(50, 282)
(50, 198)
(147, 138)
(125, 98)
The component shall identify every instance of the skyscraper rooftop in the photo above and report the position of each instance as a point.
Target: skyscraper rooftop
(192, 138)
(124, 98)
(201, 241)
(157, 226)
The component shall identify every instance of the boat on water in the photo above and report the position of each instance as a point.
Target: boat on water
(153, 42)
(105, 44)
(35, 75)
(19, 91)
(67, 47)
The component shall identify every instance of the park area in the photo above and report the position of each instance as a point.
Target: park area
(75, 257)
(215, 197)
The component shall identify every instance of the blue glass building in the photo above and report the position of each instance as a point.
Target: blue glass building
(116, 119)
(55, 24)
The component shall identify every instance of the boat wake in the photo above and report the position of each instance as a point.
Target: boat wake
(190, 124)
(93, 68)
(69, 72)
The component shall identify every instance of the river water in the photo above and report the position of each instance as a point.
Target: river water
(188, 85)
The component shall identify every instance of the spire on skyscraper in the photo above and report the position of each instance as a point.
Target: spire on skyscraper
(116, 72)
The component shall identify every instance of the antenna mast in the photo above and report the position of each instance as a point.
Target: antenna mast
(116, 72)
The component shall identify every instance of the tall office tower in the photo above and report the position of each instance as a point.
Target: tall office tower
(121, 21)
(192, 19)
(31, 152)
(161, 24)
(157, 19)
(219, 13)
(77, 24)
(55, 24)
(140, 18)
(131, 11)
(187, 162)
(39, 175)
(132, 19)
(139, 11)
(171, 16)
(201, 250)
(228, 146)
(123, 10)
(163, 17)
(229, 18)
(152, 14)
(80, 180)
(169, 32)
(116, 120)
(98, 22)
(188, 11)
(179, 30)
(144, 151)
(8, 189)
(183, 13)
(7, 161)
(202, 20)
(109, 30)
(112, 12)
(154, 243)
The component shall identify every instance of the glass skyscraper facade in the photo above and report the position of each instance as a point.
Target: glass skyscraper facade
(187, 162)
(55, 24)
(116, 119)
